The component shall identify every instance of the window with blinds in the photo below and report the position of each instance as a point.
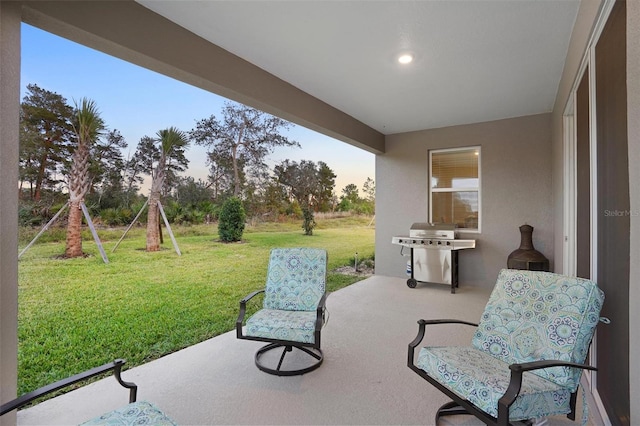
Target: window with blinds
(454, 190)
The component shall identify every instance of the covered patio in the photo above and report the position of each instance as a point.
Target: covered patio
(565, 163)
(364, 378)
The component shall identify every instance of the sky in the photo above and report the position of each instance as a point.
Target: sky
(139, 102)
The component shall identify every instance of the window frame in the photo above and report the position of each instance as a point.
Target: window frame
(477, 189)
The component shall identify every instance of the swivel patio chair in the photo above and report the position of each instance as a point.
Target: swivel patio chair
(293, 312)
(526, 356)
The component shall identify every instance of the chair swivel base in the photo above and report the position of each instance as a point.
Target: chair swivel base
(451, 408)
(314, 353)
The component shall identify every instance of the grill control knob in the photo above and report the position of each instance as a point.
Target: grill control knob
(448, 243)
(439, 242)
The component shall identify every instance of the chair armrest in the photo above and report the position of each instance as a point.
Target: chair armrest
(243, 310)
(115, 366)
(515, 382)
(421, 330)
(320, 319)
(320, 311)
(250, 296)
(536, 365)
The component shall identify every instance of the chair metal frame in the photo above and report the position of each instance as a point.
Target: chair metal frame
(460, 405)
(115, 366)
(312, 349)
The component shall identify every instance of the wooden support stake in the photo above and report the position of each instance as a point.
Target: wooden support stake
(130, 225)
(166, 222)
(93, 232)
(53, 219)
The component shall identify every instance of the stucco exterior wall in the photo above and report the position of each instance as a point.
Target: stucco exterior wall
(9, 112)
(515, 189)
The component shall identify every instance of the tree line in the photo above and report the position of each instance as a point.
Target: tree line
(238, 142)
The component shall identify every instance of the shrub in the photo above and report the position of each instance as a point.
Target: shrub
(116, 216)
(308, 221)
(26, 216)
(110, 217)
(231, 220)
(210, 211)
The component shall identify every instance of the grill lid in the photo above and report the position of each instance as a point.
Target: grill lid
(430, 230)
(429, 236)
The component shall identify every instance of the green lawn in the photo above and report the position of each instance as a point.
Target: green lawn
(79, 313)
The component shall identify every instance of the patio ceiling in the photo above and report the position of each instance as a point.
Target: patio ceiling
(474, 61)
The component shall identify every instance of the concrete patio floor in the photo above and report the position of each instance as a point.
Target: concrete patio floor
(363, 380)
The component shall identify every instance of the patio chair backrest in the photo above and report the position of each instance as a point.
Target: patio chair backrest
(533, 315)
(296, 279)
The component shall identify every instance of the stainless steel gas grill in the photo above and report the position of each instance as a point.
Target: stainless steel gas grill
(434, 253)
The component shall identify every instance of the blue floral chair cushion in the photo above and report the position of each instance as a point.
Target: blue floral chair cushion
(482, 379)
(535, 316)
(293, 312)
(530, 316)
(295, 279)
(136, 413)
(297, 326)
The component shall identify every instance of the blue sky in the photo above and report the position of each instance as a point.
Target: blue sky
(140, 102)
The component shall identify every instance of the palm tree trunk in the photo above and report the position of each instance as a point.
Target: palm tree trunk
(153, 234)
(169, 139)
(153, 216)
(88, 127)
(77, 190)
(74, 228)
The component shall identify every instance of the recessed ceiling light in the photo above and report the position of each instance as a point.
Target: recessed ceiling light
(405, 58)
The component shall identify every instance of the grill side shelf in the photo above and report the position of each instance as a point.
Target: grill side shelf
(433, 243)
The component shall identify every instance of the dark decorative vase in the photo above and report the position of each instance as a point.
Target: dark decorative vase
(527, 257)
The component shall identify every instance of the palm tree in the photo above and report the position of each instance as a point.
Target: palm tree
(88, 126)
(169, 140)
